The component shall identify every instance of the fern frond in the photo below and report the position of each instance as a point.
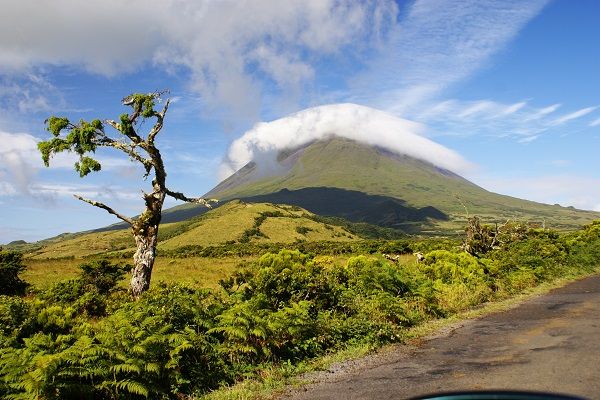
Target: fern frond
(133, 387)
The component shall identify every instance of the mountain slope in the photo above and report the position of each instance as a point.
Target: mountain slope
(235, 221)
(396, 181)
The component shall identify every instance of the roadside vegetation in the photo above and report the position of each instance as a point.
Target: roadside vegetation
(85, 337)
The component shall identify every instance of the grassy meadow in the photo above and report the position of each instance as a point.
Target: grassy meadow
(200, 272)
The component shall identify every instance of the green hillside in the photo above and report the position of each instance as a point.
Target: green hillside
(415, 184)
(235, 221)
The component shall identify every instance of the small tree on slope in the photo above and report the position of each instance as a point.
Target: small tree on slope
(85, 137)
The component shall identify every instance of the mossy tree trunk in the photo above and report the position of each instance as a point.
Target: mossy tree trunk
(145, 233)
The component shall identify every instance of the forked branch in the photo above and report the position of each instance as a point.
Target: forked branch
(159, 123)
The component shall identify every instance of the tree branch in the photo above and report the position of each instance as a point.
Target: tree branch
(198, 200)
(134, 137)
(105, 207)
(129, 150)
(159, 123)
(114, 124)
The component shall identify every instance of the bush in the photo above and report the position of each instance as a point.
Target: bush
(303, 230)
(11, 265)
(103, 275)
(91, 291)
(449, 267)
(14, 314)
(396, 247)
(544, 254)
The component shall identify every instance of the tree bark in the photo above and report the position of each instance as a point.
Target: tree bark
(143, 261)
(145, 232)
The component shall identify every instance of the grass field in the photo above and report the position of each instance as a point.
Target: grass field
(199, 271)
(203, 272)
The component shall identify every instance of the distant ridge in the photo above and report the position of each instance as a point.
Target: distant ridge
(344, 178)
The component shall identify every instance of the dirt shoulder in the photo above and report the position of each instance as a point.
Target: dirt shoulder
(548, 343)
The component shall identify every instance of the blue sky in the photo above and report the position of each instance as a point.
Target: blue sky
(510, 87)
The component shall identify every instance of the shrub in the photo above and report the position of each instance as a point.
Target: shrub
(303, 230)
(544, 254)
(11, 265)
(91, 291)
(449, 267)
(396, 246)
(102, 275)
(14, 313)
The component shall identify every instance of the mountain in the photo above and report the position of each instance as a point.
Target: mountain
(344, 178)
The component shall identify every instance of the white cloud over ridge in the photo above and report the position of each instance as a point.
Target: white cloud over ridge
(352, 121)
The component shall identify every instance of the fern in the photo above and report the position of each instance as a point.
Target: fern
(134, 387)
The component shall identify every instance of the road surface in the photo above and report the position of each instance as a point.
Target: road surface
(549, 343)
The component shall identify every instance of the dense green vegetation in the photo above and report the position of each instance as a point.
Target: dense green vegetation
(86, 337)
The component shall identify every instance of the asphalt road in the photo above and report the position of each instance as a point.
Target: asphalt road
(549, 343)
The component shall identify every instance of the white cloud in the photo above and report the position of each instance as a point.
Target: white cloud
(16, 161)
(477, 108)
(573, 115)
(360, 123)
(229, 47)
(97, 192)
(20, 161)
(528, 139)
(7, 189)
(513, 108)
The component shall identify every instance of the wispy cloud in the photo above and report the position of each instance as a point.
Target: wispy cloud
(20, 162)
(573, 115)
(110, 192)
(528, 139)
(543, 112)
(513, 108)
(595, 122)
(521, 120)
(437, 44)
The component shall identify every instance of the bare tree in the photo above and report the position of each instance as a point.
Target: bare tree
(85, 137)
